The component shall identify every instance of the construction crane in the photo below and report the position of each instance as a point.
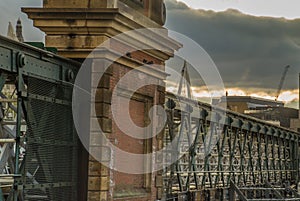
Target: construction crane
(282, 81)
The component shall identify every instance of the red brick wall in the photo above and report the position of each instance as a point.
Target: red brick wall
(120, 184)
(128, 183)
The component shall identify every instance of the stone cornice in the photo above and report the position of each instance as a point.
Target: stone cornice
(115, 57)
(77, 31)
(101, 21)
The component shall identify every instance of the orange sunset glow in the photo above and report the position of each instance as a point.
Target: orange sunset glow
(289, 97)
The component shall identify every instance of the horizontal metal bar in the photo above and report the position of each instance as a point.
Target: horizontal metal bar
(274, 199)
(7, 140)
(47, 185)
(12, 123)
(37, 61)
(260, 188)
(49, 142)
(234, 115)
(6, 186)
(48, 99)
(10, 175)
(217, 171)
(2, 100)
(7, 180)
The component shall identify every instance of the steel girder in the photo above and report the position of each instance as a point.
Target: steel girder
(211, 152)
(40, 98)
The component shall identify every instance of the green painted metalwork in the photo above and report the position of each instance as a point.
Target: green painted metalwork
(265, 191)
(249, 152)
(44, 91)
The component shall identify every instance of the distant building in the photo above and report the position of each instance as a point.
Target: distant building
(295, 124)
(19, 31)
(18, 35)
(280, 116)
(11, 32)
(242, 103)
(269, 110)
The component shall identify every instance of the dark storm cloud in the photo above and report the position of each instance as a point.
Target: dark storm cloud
(249, 51)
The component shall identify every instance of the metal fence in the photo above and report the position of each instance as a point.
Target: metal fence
(214, 147)
(39, 145)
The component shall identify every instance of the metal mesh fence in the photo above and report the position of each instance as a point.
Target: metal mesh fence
(51, 161)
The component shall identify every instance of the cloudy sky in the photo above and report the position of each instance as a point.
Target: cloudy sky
(275, 8)
(251, 41)
(249, 51)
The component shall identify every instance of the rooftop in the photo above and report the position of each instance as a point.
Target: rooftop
(253, 100)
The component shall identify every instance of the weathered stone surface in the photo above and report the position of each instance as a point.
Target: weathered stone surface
(158, 181)
(94, 195)
(94, 183)
(102, 109)
(77, 4)
(104, 183)
(104, 123)
(101, 80)
(76, 30)
(73, 40)
(102, 95)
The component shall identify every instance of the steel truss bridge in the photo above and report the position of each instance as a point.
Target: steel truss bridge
(39, 146)
(222, 155)
(225, 155)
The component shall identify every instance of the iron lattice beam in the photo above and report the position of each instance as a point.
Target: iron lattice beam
(227, 146)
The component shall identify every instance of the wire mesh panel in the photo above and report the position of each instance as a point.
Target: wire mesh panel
(51, 161)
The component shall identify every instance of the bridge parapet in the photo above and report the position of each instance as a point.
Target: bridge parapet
(39, 146)
(216, 146)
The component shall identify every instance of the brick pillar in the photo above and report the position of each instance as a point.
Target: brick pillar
(75, 28)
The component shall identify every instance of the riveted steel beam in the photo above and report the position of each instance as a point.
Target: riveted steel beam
(35, 74)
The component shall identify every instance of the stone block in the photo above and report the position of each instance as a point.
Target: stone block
(98, 66)
(104, 183)
(104, 196)
(101, 80)
(158, 181)
(94, 183)
(96, 139)
(93, 196)
(65, 4)
(102, 95)
(102, 109)
(94, 168)
(104, 124)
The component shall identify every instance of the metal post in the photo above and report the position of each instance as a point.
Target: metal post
(231, 192)
(18, 130)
